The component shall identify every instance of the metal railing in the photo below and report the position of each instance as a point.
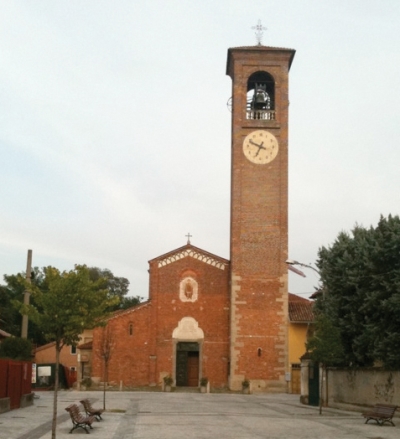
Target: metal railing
(260, 114)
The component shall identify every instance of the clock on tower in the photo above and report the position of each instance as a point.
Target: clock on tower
(259, 216)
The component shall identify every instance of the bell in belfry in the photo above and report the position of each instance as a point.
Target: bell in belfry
(260, 98)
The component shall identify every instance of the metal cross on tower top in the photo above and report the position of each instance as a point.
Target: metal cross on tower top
(259, 31)
(188, 236)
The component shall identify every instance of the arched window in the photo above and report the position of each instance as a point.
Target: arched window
(260, 96)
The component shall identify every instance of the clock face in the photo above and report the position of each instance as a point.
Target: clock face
(260, 147)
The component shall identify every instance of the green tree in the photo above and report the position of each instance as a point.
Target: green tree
(325, 347)
(128, 302)
(65, 304)
(10, 319)
(117, 287)
(16, 348)
(360, 272)
(11, 294)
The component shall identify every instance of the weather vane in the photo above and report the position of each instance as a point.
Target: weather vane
(259, 31)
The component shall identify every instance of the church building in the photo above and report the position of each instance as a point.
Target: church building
(206, 316)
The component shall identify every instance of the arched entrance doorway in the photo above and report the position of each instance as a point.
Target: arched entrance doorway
(188, 339)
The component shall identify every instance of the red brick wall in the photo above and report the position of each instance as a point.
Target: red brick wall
(129, 360)
(259, 230)
(144, 357)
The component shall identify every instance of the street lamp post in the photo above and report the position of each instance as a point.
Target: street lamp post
(291, 262)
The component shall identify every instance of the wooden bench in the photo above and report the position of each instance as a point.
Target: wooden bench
(91, 411)
(381, 413)
(78, 420)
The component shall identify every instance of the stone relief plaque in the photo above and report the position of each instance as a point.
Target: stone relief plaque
(188, 329)
(188, 290)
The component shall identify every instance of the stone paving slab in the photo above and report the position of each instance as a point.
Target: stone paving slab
(155, 415)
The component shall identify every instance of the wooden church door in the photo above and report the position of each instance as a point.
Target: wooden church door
(187, 364)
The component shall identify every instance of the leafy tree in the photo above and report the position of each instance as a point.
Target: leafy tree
(64, 305)
(16, 348)
(10, 319)
(117, 287)
(361, 277)
(128, 302)
(325, 347)
(10, 295)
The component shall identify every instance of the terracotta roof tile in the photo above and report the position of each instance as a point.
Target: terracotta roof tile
(87, 345)
(300, 309)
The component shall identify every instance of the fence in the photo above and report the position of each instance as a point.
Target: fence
(15, 382)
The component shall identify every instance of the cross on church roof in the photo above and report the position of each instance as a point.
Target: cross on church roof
(259, 31)
(188, 236)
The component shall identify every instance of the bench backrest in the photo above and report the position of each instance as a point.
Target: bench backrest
(385, 409)
(74, 412)
(86, 404)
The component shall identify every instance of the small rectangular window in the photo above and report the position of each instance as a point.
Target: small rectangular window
(73, 350)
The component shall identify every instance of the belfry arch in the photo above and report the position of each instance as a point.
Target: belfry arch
(260, 102)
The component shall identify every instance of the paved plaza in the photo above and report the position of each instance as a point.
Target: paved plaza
(176, 415)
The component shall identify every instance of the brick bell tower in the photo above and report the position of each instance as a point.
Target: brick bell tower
(259, 217)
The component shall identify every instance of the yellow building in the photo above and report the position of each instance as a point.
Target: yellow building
(301, 319)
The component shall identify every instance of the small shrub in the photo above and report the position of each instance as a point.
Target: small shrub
(168, 380)
(203, 381)
(87, 382)
(245, 383)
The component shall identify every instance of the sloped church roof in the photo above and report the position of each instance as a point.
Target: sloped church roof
(190, 251)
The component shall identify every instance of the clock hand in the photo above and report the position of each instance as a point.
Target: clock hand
(258, 146)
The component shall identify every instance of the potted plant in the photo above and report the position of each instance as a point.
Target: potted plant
(168, 381)
(86, 383)
(203, 384)
(246, 386)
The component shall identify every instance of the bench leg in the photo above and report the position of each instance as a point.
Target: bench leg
(80, 426)
(388, 420)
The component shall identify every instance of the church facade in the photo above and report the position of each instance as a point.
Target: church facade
(206, 316)
(182, 330)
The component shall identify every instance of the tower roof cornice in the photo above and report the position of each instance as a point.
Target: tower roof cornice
(258, 48)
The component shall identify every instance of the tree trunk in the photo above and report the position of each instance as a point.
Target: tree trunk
(104, 392)
(104, 383)
(56, 380)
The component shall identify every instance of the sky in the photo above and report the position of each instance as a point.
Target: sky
(115, 133)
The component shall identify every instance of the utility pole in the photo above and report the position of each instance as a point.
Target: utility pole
(24, 330)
